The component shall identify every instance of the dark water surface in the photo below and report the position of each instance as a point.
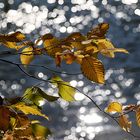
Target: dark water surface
(79, 120)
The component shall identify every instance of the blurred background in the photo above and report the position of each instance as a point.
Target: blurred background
(77, 120)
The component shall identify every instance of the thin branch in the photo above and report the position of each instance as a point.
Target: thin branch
(45, 67)
(50, 81)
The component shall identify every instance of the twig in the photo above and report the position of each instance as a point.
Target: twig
(50, 81)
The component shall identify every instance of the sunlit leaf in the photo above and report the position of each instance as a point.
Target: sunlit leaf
(114, 107)
(124, 123)
(138, 116)
(28, 109)
(27, 56)
(4, 118)
(93, 69)
(12, 45)
(106, 48)
(40, 131)
(51, 44)
(65, 91)
(35, 94)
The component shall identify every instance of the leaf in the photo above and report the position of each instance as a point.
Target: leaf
(4, 118)
(114, 107)
(13, 37)
(35, 94)
(130, 107)
(124, 123)
(58, 59)
(69, 58)
(51, 44)
(75, 37)
(27, 56)
(1, 101)
(65, 91)
(98, 32)
(138, 116)
(93, 69)
(107, 48)
(40, 131)
(28, 109)
(13, 45)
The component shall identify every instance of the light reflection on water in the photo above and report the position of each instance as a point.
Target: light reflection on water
(79, 120)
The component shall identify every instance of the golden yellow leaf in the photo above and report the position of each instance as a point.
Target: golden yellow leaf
(28, 109)
(114, 107)
(138, 116)
(51, 44)
(93, 69)
(27, 56)
(106, 48)
(124, 123)
(13, 45)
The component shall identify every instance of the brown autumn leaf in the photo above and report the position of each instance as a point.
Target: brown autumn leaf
(93, 69)
(138, 116)
(4, 118)
(75, 37)
(69, 58)
(124, 123)
(98, 32)
(130, 107)
(13, 37)
(58, 59)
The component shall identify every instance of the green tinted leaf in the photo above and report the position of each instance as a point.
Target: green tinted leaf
(32, 95)
(40, 130)
(65, 91)
(35, 94)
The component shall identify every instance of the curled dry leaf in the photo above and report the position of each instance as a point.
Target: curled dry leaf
(124, 123)
(93, 69)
